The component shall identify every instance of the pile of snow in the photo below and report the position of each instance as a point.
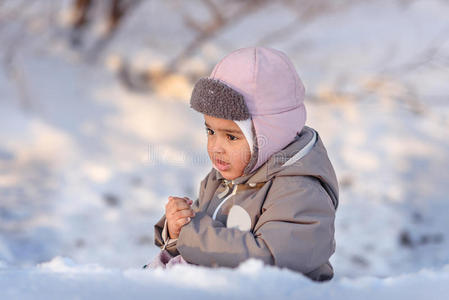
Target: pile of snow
(61, 278)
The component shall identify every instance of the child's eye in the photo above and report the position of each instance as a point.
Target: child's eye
(209, 131)
(232, 138)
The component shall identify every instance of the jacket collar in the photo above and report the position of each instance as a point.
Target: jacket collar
(277, 160)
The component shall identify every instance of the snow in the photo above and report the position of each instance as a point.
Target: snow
(62, 278)
(86, 165)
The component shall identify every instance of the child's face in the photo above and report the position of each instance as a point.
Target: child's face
(227, 147)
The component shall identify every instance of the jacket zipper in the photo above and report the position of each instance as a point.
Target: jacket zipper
(234, 191)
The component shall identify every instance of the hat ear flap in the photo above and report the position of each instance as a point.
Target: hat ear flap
(254, 153)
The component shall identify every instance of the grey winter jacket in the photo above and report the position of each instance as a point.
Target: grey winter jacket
(283, 214)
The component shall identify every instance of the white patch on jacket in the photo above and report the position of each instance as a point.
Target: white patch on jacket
(238, 218)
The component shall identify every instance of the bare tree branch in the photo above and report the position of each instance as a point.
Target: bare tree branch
(118, 9)
(214, 27)
(305, 13)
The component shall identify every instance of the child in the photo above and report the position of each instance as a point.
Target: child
(272, 192)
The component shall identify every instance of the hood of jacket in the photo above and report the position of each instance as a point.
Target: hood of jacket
(304, 156)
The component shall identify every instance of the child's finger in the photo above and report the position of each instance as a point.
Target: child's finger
(177, 204)
(186, 199)
(183, 214)
(180, 205)
(183, 221)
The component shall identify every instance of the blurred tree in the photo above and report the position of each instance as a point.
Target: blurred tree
(222, 15)
(21, 20)
(111, 12)
(220, 19)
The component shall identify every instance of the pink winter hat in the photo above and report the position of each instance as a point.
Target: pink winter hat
(260, 84)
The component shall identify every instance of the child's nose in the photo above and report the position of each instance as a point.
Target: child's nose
(216, 146)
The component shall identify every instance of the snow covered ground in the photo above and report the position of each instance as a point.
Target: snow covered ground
(86, 165)
(61, 279)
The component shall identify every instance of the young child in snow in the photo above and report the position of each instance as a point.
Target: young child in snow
(272, 192)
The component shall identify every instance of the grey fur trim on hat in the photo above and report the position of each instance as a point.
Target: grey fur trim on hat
(214, 98)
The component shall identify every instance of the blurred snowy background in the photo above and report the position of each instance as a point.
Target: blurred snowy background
(96, 132)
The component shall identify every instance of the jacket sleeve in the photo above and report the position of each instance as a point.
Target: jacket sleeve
(295, 230)
(161, 238)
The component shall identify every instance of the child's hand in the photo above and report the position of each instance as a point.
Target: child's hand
(178, 213)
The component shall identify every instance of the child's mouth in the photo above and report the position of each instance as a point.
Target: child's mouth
(221, 165)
